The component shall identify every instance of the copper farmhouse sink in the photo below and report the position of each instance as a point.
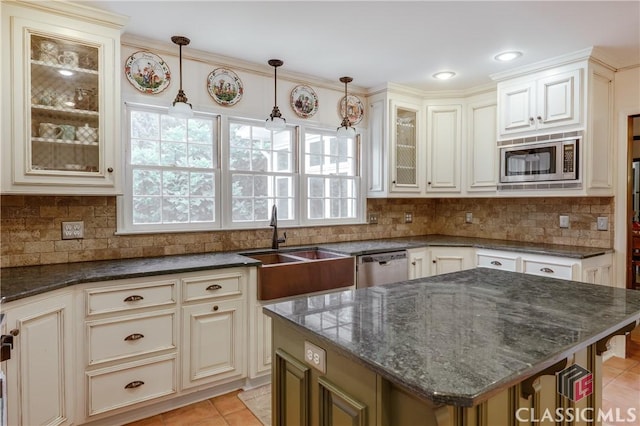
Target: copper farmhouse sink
(299, 272)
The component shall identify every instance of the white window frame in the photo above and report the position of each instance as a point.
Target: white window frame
(125, 223)
(227, 175)
(360, 199)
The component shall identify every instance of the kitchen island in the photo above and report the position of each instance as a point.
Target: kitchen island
(480, 347)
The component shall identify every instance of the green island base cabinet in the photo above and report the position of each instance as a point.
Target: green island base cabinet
(402, 355)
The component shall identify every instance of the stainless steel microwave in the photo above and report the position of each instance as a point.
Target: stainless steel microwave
(541, 161)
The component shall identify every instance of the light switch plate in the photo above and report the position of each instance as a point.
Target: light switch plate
(468, 217)
(564, 221)
(315, 356)
(603, 223)
(373, 218)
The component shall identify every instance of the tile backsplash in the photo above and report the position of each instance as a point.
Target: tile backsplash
(30, 228)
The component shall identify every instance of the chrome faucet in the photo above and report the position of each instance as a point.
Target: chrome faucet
(275, 241)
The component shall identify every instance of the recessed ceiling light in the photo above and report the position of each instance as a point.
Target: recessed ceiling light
(508, 56)
(444, 75)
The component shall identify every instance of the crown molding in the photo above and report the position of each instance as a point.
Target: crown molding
(73, 10)
(580, 55)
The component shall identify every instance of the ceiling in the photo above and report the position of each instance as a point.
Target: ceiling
(392, 41)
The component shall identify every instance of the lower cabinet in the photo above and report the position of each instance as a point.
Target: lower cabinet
(435, 260)
(343, 394)
(40, 374)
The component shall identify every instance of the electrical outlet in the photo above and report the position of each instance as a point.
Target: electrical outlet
(72, 230)
(468, 217)
(603, 223)
(408, 217)
(315, 357)
(564, 221)
(373, 218)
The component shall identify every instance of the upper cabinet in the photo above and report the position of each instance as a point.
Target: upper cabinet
(444, 143)
(61, 70)
(405, 149)
(543, 103)
(540, 102)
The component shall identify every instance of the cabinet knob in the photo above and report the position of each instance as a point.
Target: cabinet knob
(134, 336)
(428, 183)
(413, 263)
(539, 118)
(433, 261)
(14, 332)
(133, 298)
(134, 384)
(393, 182)
(531, 119)
(496, 263)
(215, 307)
(547, 270)
(214, 287)
(110, 169)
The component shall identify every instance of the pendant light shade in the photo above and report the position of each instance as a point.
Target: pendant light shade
(275, 120)
(346, 131)
(180, 107)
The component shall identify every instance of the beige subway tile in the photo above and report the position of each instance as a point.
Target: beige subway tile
(68, 245)
(38, 246)
(54, 257)
(12, 247)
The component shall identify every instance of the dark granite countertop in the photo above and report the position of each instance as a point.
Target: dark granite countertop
(460, 338)
(356, 248)
(20, 282)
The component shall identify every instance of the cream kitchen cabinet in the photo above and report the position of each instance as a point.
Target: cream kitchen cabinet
(40, 374)
(406, 147)
(444, 148)
(213, 327)
(436, 260)
(259, 332)
(482, 152)
(496, 259)
(60, 68)
(129, 344)
(539, 102)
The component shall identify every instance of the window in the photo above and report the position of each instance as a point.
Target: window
(171, 167)
(261, 166)
(330, 177)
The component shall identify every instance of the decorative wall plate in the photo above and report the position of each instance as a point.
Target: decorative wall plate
(304, 101)
(355, 109)
(147, 72)
(224, 86)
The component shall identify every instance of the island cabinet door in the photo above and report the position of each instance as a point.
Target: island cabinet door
(318, 386)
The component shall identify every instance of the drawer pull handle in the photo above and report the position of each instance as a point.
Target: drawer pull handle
(133, 298)
(547, 270)
(134, 384)
(134, 336)
(215, 307)
(496, 263)
(214, 287)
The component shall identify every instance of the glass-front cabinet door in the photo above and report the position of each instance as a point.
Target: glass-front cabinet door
(64, 127)
(405, 149)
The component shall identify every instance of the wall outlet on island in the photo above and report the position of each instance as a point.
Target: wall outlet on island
(564, 221)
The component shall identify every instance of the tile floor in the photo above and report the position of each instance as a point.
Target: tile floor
(620, 379)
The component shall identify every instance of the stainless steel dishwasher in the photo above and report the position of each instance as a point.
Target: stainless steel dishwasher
(382, 268)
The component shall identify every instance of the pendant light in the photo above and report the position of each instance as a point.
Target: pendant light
(275, 120)
(345, 131)
(180, 107)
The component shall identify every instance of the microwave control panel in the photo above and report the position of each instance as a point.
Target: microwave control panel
(568, 156)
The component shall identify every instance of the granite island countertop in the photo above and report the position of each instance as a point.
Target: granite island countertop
(460, 338)
(20, 282)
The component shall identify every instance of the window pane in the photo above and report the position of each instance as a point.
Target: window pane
(146, 182)
(200, 156)
(263, 209)
(316, 187)
(261, 186)
(316, 209)
(242, 186)
(145, 152)
(145, 125)
(175, 209)
(174, 154)
(241, 210)
(200, 131)
(175, 183)
(239, 159)
(202, 209)
(260, 161)
(146, 210)
(202, 184)
(173, 129)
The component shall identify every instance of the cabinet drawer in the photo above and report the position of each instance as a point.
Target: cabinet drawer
(229, 283)
(548, 269)
(109, 340)
(110, 389)
(497, 261)
(126, 297)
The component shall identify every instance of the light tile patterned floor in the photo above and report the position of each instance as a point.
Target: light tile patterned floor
(620, 379)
